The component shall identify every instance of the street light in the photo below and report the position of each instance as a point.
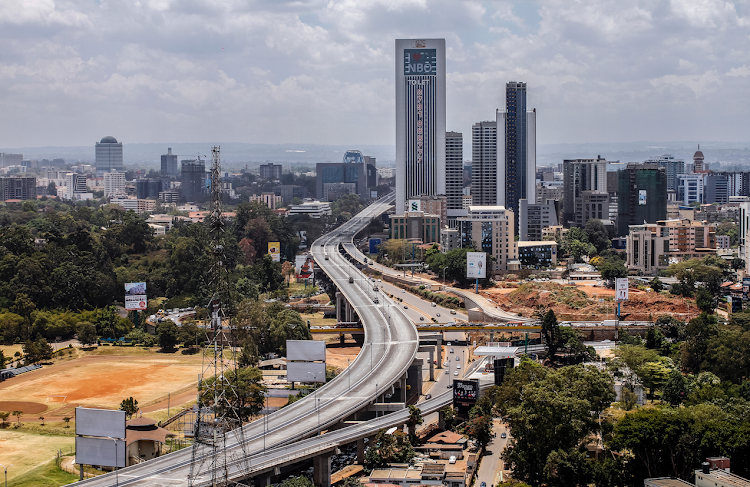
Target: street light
(117, 475)
(316, 403)
(6, 472)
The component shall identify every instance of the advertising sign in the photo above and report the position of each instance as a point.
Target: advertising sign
(135, 288)
(641, 197)
(302, 239)
(465, 394)
(476, 265)
(135, 296)
(100, 451)
(373, 194)
(374, 242)
(420, 61)
(415, 205)
(100, 422)
(745, 287)
(274, 250)
(306, 372)
(303, 266)
(621, 289)
(310, 350)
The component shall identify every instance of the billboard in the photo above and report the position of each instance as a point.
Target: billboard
(476, 265)
(306, 372)
(100, 422)
(100, 451)
(465, 394)
(302, 238)
(641, 197)
(135, 288)
(274, 250)
(305, 350)
(414, 205)
(621, 289)
(374, 242)
(420, 61)
(135, 296)
(303, 266)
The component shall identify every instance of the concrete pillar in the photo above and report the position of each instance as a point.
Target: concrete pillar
(432, 365)
(492, 336)
(338, 306)
(439, 348)
(402, 382)
(361, 451)
(322, 470)
(263, 480)
(341, 338)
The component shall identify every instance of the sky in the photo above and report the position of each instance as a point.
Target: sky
(322, 71)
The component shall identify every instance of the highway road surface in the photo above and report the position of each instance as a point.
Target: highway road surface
(390, 346)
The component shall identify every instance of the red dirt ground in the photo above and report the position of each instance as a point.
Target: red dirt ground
(25, 407)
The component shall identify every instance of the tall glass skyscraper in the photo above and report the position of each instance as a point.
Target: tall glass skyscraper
(517, 149)
(420, 119)
(108, 155)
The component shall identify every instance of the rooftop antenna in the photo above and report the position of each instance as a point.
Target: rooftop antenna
(218, 423)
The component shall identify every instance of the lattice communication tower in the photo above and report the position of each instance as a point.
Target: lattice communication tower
(218, 424)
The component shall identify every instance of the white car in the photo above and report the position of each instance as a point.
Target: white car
(458, 367)
(455, 373)
(451, 351)
(457, 358)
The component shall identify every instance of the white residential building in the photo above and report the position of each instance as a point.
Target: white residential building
(114, 183)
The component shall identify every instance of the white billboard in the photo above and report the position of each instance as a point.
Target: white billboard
(100, 422)
(306, 372)
(621, 289)
(641, 197)
(305, 350)
(303, 266)
(476, 265)
(137, 302)
(100, 451)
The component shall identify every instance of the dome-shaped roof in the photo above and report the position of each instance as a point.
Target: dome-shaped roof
(108, 140)
(698, 154)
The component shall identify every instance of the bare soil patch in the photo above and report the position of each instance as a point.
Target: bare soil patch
(26, 407)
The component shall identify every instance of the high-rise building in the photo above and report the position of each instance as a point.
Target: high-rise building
(108, 155)
(690, 188)
(641, 196)
(353, 157)
(270, 171)
(454, 154)
(516, 149)
(484, 180)
(698, 164)
(585, 179)
(355, 174)
(7, 159)
(672, 166)
(420, 119)
(148, 188)
(169, 164)
(114, 183)
(193, 175)
(535, 217)
(18, 188)
(492, 228)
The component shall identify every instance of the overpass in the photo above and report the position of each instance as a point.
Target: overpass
(389, 348)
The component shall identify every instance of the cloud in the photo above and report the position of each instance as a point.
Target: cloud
(321, 71)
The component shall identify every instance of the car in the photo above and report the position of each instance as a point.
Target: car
(322, 245)
(427, 397)
(406, 307)
(503, 435)
(437, 314)
(453, 311)
(421, 318)
(446, 364)
(455, 373)
(458, 366)
(403, 290)
(433, 305)
(483, 484)
(451, 351)
(457, 358)
(450, 385)
(447, 372)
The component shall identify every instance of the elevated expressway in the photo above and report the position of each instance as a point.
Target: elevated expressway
(389, 348)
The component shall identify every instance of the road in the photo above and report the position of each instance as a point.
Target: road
(388, 350)
(492, 465)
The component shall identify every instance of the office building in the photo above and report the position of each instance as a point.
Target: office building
(535, 217)
(149, 188)
(516, 153)
(716, 188)
(492, 229)
(416, 225)
(550, 191)
(641, 196)
(108, 155)
(290, 191)
(358, 175)
(484, 180)
(672, 166)
(353, 157)
(454, 154)
(690, 188)
(193, 174)
(169, 164)
(270, 171)
(18, 188)
(585, 185)
(271, 200)
(653, 247)
(75, 187)
(537, 255)
(170, 196)
(114, 183)
(450, 239)
(435, 205)
(334, 191)
(313, 209)
(7, 159)
(420, 119)
(698, 161)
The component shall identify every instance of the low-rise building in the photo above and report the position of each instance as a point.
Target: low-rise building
(416, 225)
(537, 255)
(722, 242)
(715, 473)
(450, 239)
(654, 246)
(271, 200)
(312, 208)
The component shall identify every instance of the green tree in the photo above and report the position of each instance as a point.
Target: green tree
(18, 415)
(37, 350)
(168, 333)
(656, 284)
(698, 332)
(239, 393)
(415, 419)
(597, 235)
(479, 429)
(704, 300)
(130, 406)
(4, 417)
(675, 389)
(190, 334)
(298, 481)
(550, 333)
(385, 449)
(86, 333)
(613, 269)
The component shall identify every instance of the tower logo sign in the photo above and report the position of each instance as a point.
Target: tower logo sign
(420, 62)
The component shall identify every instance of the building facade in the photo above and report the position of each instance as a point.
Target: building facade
(360, 174)
(18, 188)
(169, 168)
(653, 247)
(537, 255)
(270, 171)
(583, 176)
(484, 180)
(454, 154)
(672, 166)
(535, 217)
(313, 209)
(416, 225)
(641, 196)
(108, 155)
(114, 183)
(271, 200)
(420, 119)
(690, 188)
(492, 230)
(193, 173)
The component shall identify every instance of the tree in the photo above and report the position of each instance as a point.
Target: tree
(656, 284)
(550, 333)
(190, 334)
(698, 332)
(479, 429)
(67, 421)
(597, 235)
(415, 419)
(675, 389)
(86, 333)
(613, 269)
(385, 449)
(287, 270)
(239, 393)
(130, 406)
(168, 334)
(447, 417)
(4, 417)
(18, 415)
(704, 300)
(299, 481)
(36, 351)
(41, 418)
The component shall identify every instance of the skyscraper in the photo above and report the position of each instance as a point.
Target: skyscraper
(420, 119)
(585, 184)
(454, 160)
(169, 164)
(516, 150)
(641, 196)
(193, 180)
(108, 155)
(484, 181)
(671, 165)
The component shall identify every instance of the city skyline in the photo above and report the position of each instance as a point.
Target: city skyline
(302, 72)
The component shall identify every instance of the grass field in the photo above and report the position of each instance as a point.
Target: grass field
(30, 451)
(47, 475)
